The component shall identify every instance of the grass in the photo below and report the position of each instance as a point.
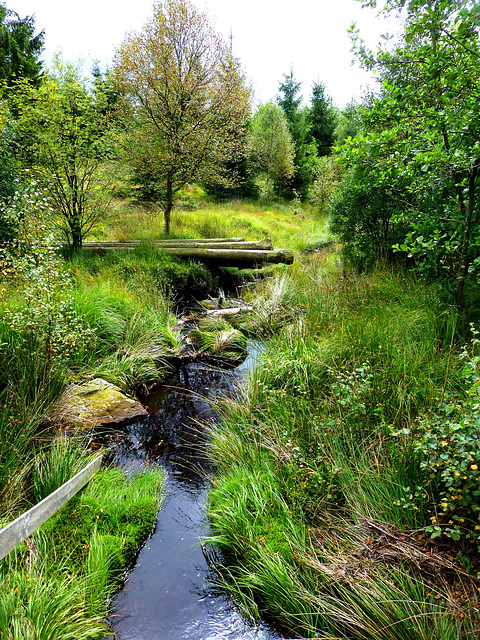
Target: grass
(321, 504)
(216, 337)
(59, 583)
(252, 221)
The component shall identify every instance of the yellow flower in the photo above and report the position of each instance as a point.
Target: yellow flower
(474, 467)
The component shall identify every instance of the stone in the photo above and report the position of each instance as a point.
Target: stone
(96, 402)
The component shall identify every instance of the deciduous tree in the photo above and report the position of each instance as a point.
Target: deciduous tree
(272, 141)
(188, 97)
(64, 140)
(422, 133)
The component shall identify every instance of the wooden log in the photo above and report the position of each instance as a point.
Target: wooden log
(227, 256)
(265, 245)
(173, 242)
(15, 533)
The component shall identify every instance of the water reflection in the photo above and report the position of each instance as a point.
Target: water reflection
(169, 595)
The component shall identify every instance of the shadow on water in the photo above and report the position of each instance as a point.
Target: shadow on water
(169, 595)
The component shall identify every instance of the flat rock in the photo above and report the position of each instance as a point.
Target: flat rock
(95, 403)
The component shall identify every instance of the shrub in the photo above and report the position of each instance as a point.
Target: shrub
(362, 217)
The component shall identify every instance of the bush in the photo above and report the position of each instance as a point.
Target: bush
(362, 217)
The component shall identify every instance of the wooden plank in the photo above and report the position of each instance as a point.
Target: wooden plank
(15, 533)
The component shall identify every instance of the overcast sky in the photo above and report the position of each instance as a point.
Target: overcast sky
(269, 36)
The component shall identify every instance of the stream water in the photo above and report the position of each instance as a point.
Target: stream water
(170, 595)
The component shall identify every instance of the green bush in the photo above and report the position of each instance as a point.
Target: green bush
(362, 217)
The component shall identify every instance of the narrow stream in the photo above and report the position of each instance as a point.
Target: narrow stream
(169, 594)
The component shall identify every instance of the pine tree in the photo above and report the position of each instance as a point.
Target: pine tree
(20, 49)
(321, 119)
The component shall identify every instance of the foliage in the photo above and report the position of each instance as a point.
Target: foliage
(273, 144)
(189, 99)
(66, 138)
(421, 131)
(321, 119)
(449, 440)
(366, 218)
(327, 178)
(8, 167)
(45, 332)
(348, 123)
(19, 48)
(245, 170)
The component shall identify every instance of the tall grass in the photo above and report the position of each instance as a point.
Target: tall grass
(222, 220)
(59, 583)
(321, 503)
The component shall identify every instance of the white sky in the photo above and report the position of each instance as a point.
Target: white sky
(269, 36)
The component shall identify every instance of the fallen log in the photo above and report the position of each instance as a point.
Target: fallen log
(169, 241)
(265, 245)
(227, 256)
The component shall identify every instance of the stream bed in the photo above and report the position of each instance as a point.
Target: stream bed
(170, 595)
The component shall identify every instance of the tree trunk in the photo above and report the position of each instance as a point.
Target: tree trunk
(76, 229)
(168, 206)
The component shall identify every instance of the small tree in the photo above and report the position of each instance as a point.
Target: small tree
(321, 119)
(273, 143)
(64, 132)
(328, 176)
(46, 334)
(188, 98)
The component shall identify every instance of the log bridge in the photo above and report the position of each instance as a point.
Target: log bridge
(224, 251)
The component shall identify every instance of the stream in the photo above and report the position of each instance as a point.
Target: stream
(170, 595)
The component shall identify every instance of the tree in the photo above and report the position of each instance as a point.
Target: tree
(188, 97)
(422, 138)
(272, 141)
(321, 119)
(305, 150)
(347, 123)
(365, 218)
(19, 48)
(65, 141)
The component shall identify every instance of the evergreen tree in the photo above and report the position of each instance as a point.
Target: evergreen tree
(305, 152)
(20, 49)
(321, 119)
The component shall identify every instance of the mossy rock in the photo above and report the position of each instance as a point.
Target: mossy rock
(94, 403)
